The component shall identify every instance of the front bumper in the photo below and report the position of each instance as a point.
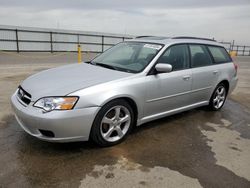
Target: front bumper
(67, 126)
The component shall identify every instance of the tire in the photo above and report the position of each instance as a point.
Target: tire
(218, 97)
(112, 123)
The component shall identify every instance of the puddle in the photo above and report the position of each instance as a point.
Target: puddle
(128, 174)
(230, 152)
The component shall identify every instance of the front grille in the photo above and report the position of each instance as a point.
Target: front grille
(24, 96)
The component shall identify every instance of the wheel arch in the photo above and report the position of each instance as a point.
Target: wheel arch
(226, 83)
(129, 100)
(223, 81)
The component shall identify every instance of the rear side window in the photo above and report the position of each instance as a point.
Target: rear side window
(199, 56)
(219, 54)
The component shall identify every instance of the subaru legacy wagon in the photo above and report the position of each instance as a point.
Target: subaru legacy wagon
(132, 83)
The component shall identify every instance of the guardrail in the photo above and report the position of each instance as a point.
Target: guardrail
(45, 40)
(241, 50)
(23, 40)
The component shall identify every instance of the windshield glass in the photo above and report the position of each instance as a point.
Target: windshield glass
(128, 56)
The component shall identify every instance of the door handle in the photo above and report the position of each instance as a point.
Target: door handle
(215, 72)
(187, 77)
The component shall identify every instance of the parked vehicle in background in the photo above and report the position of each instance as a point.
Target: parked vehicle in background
(132, 83)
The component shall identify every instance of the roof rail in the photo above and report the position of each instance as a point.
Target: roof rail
(138, 37)
(197, 38)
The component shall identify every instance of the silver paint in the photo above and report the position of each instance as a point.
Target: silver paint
(155, 96)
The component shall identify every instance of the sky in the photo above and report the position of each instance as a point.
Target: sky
(224, 20)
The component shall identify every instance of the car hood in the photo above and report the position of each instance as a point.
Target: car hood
(63, 80)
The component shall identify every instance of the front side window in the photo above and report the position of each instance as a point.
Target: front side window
(128, 56)
(177, 56)
(219, 54)
(199, 56)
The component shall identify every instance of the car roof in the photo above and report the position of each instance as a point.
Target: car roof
(175, 40)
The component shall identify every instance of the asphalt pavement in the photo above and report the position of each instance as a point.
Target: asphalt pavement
(197, 148)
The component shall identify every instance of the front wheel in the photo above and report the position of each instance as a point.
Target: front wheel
(112, 123)
(218, 98)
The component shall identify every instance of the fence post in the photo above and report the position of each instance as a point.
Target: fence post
(17, 42)
(243, 53)
(79, 49)
(232, 49)
(123, 38)
(51, 42)
(237, 49)
(102, 43)
(79, 53)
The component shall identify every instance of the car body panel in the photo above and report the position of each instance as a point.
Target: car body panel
(63, 80)
(204, 80)
(101, 94)
(71, 125)
(167, 91)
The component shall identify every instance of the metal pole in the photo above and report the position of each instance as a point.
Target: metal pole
(51, 43)
(79, 53)
(233, 45)
(102, 43)
(17, 42)
(244, 50)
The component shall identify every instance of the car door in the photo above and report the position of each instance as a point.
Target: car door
(169, 91)
(205, 74)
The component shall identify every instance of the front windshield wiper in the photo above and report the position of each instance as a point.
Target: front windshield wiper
(104, 65)
(111, 67)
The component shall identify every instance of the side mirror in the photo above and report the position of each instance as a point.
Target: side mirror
(163, 68)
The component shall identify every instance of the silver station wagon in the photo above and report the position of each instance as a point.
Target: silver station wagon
(134, 82)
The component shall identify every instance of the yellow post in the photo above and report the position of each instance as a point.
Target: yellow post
(233, 53)
(79, 53)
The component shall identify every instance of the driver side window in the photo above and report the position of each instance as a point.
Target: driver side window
(177, 56)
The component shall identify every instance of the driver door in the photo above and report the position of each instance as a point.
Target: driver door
(169, 91)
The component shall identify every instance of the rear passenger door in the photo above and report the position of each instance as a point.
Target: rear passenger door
(205, 74)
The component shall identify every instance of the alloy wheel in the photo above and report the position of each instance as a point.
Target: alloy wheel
(219, 97)
(115, 123)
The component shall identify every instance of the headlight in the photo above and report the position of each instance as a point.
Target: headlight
(56, 103)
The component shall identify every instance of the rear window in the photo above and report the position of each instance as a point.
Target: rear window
(219, 54)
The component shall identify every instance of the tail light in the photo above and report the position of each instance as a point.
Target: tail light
(235, 68)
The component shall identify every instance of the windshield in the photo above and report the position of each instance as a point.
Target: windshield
(128, 56)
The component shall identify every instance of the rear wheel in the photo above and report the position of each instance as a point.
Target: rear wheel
(218, 98)
(113, 123)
